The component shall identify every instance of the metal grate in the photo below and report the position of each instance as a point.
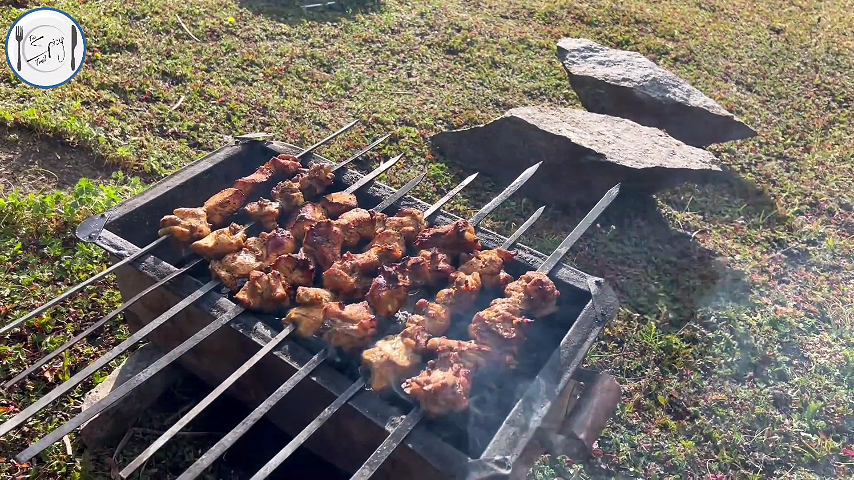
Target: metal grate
(517, 427)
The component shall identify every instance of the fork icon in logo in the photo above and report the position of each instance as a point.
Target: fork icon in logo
(19, 36)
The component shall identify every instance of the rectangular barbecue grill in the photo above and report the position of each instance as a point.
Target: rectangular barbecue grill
(507, 409)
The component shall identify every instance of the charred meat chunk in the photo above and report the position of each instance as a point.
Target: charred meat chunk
(349, 326)
(308, 215)
(389, 360)
(501, 326)
(356, 225)
(223, 205)
(266, 292)
(490, 265)
(429, 268)
(388, 291)
(308, 316)
(537, 293)
(185, 224)
(297, 270)
(443, 387)
(318, 179)
(220, 242)
(323, 243)
(462, 293)
(288, 194)
(286, 165)
(264, 211)
(457, 237)
(338, 203)
(408, 221)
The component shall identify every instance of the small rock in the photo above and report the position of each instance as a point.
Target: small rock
(584, 154)
(627, 84)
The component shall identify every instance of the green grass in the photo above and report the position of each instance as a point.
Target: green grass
(734, 345)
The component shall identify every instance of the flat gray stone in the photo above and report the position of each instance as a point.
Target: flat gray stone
(111, 425)
(628, 85)
(584, 154)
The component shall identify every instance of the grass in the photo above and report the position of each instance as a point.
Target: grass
(734, 345)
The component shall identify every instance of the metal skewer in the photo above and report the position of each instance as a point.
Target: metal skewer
(44, 360)
(357, 386)
(174, 429)
(401, 431)
(202, 463)
(28, 412)
(130, 258)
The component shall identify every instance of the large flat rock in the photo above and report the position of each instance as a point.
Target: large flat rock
(584, 154)
(628, 85)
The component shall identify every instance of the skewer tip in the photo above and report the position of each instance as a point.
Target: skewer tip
(540, 211)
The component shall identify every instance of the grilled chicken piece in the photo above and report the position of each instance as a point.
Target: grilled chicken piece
(224, 204)
(349, 326)
(338, 203)
(501, 326)
(490, 265)
(537, 292)
(351, 275)
(276, 243)
(264, 211)
(308, 215)
(358, 224)
(389, 360)
(452, 238)
(185, 224)
(288, 194)
(388, 291)
(323, 243)
(471, 355)
(443, 387)
(286, 165)
(220, 242)
(461, 295)
(308, 316)
(408, 221)
(258, 253)
(266, 292)
(235, 266)
(429, 268)
(430, 320)
(318, 178)
(297, 269)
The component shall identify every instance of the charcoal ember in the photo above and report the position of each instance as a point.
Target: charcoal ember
(628, 85)
(584, 154)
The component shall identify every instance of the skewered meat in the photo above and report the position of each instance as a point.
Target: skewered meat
(284, 164)
(462, 292)
(338, 203)
(224, 204)
(264, 211)
(490, 265)
(220, 242)
(357, 225)
(429, 268)
(442, 387)
(267, 292)
(408, 221)
(308, 215)
(185, 224)
(388, 245)
(388, 291)
(471, 355)
(501, 326)
(298, 270)
(430, 320)
(452, 238)
(308, 316)
(537, 292)
(258, 253)
(318, 178)
(235, 266)
(288, 194)
(351, 275)
(389, 360)
(323, 243)
(349, 326)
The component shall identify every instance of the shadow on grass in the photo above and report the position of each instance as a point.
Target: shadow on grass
(318, 11)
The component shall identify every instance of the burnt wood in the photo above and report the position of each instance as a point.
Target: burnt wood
(351, 435)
